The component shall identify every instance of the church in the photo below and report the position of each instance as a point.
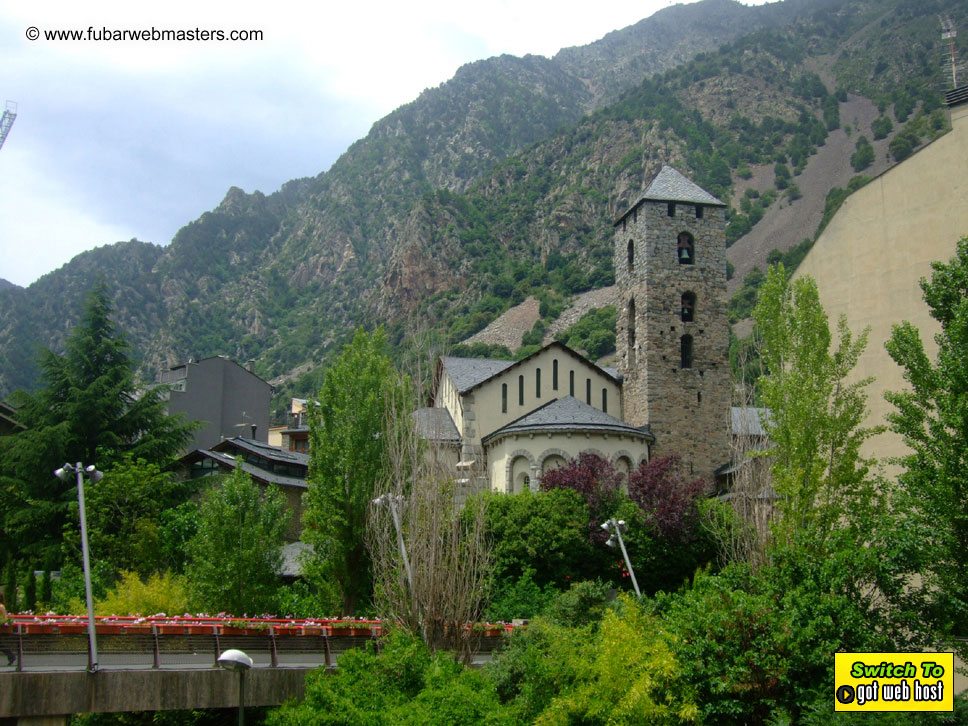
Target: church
(511, 421)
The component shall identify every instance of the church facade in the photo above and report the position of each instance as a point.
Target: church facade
(511, 421)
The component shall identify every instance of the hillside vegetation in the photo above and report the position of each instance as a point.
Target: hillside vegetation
(502, 184)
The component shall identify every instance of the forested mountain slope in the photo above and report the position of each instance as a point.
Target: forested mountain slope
(503, 182)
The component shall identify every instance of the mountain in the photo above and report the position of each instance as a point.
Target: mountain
(502, 182)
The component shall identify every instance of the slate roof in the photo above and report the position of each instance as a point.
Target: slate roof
(255, 472)
(748, 421)
(569, 414)
(436, 424)
(671, 186)
(468, 372)
(260, 448)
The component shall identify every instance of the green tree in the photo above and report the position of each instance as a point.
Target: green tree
(236, 555)
(127, 512)
(90, 410)
(348, 459)
(815, 415)
(931, 416)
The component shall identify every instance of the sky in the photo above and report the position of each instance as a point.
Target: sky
(121, 139)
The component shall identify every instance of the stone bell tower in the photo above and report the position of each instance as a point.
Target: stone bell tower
(673, 341)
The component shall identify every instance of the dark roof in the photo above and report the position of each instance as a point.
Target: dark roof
(257, 473)
(569, 414)
(469, 372)
(436, 424)
(671, 186)
(956, 96)
(260, 448)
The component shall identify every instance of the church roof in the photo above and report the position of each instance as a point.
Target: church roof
(436, 424)
(671, 186)
(568, 414)
(468, 372)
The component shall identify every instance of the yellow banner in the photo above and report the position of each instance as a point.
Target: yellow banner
(893, 681)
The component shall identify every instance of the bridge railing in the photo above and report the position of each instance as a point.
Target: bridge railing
(49, 643)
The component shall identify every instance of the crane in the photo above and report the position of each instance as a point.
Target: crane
(6, 121)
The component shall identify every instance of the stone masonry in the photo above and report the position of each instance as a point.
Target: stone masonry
(686, 402)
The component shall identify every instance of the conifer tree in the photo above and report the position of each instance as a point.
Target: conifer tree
(90, 410)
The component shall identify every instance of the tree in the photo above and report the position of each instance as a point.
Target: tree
(237, 553)
(90, 410)
(347, 461)
(815, 414)
(127, 512)
(932, 417)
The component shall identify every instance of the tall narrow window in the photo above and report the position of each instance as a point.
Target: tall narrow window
(537, 383)
(520, 390)
(631, 324)
(671, 209)
(631, 255)
(571, 383)
(504, 398)
(688, 307)
(698, 211)
(554, 374)
(685, 351)
(604, 400)
(685, 249)
(588, 391)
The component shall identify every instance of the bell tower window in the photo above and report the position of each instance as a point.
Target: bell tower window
(685, 250)
(685, 351)
(671, 209)
(688, 307)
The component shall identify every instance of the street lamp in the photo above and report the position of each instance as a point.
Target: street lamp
(236, 660)
(615, 529)
(393, 501)
(64, 474)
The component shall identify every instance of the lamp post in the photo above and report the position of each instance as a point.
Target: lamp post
(392, 500)
(238, 661)
(615, 529)
(64, 474)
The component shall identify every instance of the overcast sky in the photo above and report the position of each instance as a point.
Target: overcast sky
(122, 139)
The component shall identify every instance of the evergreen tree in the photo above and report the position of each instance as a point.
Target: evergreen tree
(89, 410)
(46, 589)
(30, 590)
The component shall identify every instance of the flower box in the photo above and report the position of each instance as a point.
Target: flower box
(72, 628)
(39, 628)
(170, 629)
(286, 630)
(314, 630)
(198, 629)
(140, 629)
(108, 628)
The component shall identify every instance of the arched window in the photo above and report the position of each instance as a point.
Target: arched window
(688, 307)
(504, 398)
(685, 351)
(520, 390)
(631, 254)
(685, 249)
(631, 324)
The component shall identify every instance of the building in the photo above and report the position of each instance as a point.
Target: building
(511, 421)
(870, 258)
(267, 465)
(228, 399)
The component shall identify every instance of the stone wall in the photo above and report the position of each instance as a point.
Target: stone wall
(686, 407)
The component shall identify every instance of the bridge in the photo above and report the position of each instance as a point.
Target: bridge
(158, 664)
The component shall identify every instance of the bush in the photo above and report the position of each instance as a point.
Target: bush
(165, 593)
(881, 127)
